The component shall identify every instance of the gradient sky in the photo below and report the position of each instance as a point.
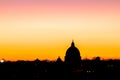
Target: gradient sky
(44, 29)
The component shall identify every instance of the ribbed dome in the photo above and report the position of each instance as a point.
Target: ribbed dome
(72, 55)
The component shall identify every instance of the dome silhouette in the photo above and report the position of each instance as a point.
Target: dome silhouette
(72, 55)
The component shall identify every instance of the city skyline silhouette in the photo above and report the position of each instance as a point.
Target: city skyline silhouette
(59, 40)
(73, 68)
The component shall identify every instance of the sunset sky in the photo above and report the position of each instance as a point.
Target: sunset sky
(44, 29)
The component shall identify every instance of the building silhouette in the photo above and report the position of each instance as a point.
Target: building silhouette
(72, 56)
(73, 68)
(59, 60)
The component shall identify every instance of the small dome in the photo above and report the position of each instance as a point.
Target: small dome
(59, 60)
(72, 55)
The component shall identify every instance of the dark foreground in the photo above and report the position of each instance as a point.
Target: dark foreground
(45, 70)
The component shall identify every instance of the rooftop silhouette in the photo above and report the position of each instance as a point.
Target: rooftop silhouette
(73, 68)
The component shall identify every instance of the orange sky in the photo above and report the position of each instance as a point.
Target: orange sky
(31, 29)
